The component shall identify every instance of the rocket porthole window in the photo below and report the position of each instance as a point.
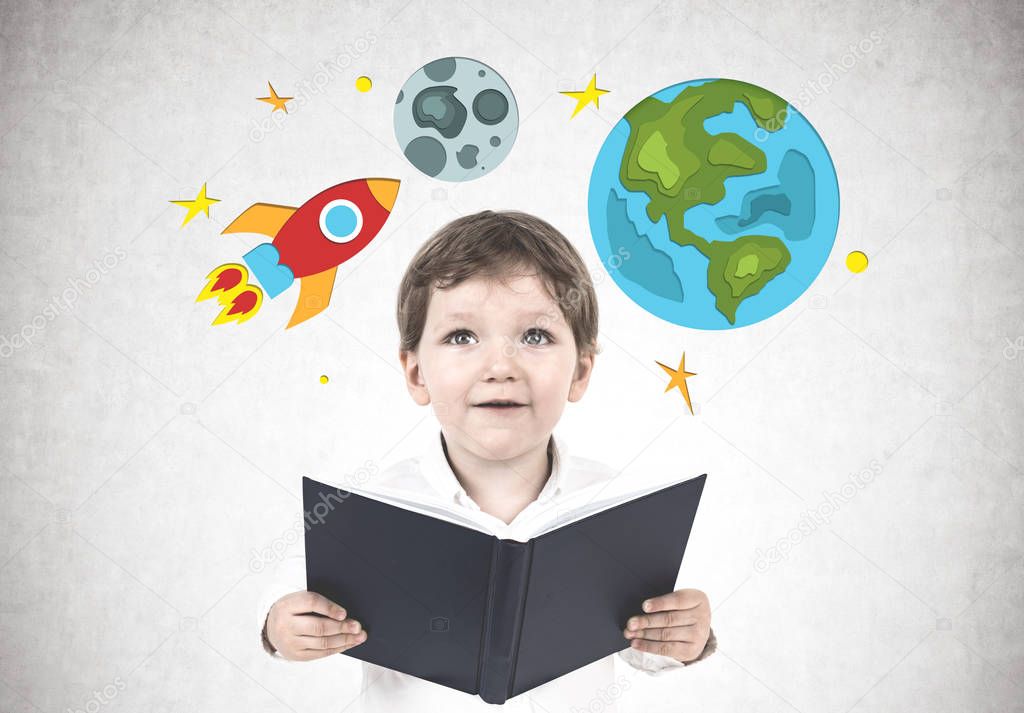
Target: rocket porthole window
(341, 221)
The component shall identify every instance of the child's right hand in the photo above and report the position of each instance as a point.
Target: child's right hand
(300, 635)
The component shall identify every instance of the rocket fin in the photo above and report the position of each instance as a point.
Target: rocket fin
(314, 295)
(263, 218)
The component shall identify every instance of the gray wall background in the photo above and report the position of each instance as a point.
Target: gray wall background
(150, 464)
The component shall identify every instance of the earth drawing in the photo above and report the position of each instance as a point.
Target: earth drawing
(713, 204)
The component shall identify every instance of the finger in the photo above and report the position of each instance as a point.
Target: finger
(679, 617)
(304, 602)
(687, 634)
(311, 654)
(679, 599)
(311, 625)
(690, 598)
(321, 643)
(677, 650)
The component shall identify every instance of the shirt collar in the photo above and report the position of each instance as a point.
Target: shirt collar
(439, 474)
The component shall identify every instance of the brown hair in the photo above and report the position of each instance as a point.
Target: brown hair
(494, 245)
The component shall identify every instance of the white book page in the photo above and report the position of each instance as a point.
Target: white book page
(568, 509)
(419, 504)
(589, 501)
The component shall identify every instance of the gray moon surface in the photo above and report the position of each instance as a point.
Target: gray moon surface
(456, 119)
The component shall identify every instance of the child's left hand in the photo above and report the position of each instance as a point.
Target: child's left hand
(676, 624)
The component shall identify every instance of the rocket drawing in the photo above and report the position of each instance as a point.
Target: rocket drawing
(309, 242)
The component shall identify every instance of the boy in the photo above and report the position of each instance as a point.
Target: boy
(498, 323)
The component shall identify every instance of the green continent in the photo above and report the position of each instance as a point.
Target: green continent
(653, 158)
(740, 268)
(677, 164)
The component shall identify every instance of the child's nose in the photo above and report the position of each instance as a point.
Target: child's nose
(503, 354)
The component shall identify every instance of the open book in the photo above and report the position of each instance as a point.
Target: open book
(444, 600)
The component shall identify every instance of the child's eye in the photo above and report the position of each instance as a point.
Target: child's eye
(456, 333)
(453, 338)
(538, 332)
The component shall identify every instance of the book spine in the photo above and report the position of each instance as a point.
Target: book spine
(506, 602)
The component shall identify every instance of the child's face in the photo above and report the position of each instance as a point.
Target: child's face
(484, 341)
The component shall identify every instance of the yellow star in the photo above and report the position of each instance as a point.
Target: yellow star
(679, 377)
(590, 94)
(201, 203)
(276, 101)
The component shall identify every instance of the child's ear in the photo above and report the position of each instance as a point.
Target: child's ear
(584, 368)
(414, 377)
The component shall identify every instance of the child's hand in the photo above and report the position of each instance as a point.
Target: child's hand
(300, 635)
(679, 629)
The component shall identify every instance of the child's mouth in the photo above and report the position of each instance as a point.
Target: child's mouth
(501, 405)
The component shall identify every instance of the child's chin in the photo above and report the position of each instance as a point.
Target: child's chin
(502, 442)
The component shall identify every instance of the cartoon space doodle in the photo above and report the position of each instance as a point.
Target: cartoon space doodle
(364, 84)
(586, 96)
(724, 198)
(275, 101)
(228, 284)
(679, 377)
(309, 243)
(856, 261)
(456, 119)
(201, 204)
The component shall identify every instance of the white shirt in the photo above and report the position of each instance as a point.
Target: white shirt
(430, 478)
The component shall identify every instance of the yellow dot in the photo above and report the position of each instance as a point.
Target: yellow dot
(857, 261)
(324, 379)
(364, 84)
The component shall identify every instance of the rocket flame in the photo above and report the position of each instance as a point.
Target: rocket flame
(240, 301)
(224, 279)
(242, 305)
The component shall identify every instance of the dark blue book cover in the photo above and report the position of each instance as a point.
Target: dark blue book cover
(487, 616)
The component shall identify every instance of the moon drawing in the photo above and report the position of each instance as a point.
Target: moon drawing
(456, 119)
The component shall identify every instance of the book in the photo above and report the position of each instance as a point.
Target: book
(443, 599)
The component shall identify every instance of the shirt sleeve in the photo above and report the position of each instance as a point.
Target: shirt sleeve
(654, 664)
(288, 576)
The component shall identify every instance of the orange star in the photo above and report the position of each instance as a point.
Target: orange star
(276, 101)
(679, 377)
